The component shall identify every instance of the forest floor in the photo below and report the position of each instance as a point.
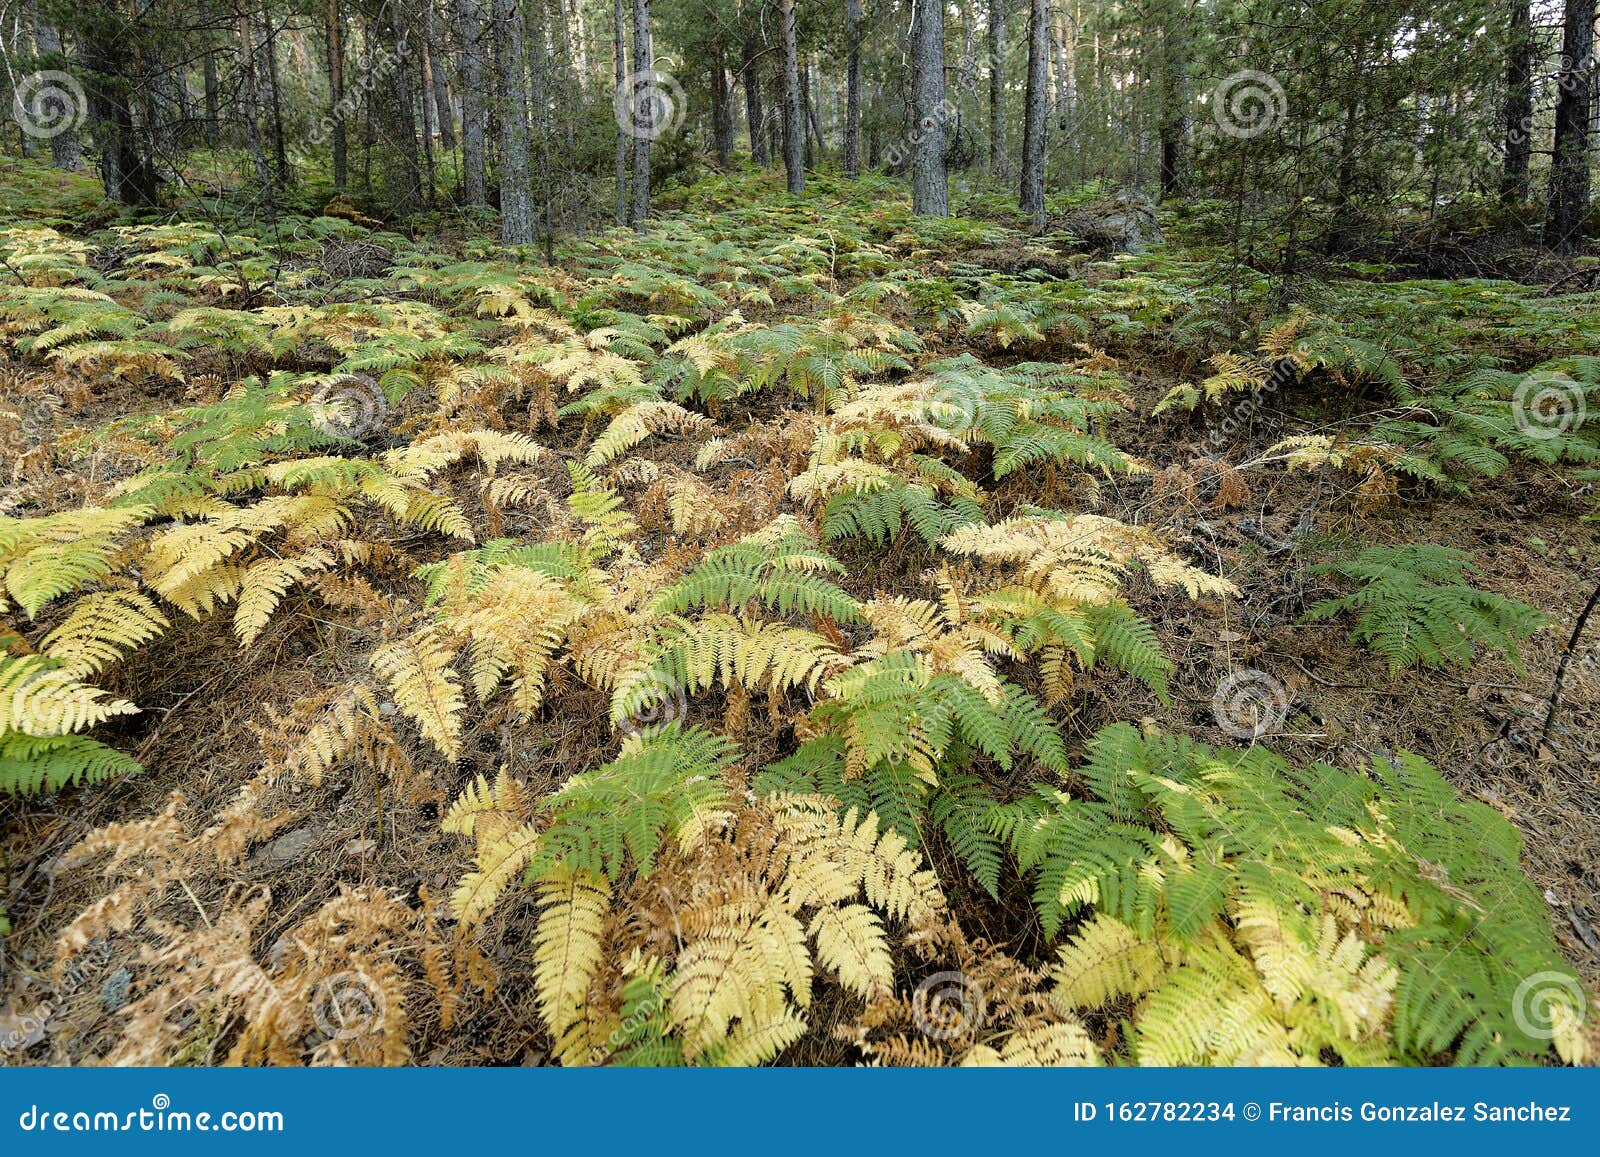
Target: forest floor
(203, 698)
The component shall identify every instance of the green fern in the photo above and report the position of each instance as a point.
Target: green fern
(1413, 606)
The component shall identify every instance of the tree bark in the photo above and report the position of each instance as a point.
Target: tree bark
(65, 150)
(930, 192)
(394, 102)
(644, 109)
(474, 112)
(750, 73)
(1569, 166)
(516, 184)
(619, 66)
(1514, 186)
(1174, 85)
(250, 93)
(213, 100)
(794, 126)
(999, 168)
(852, 88)
(1031, 196)
(433, 39)
(336, 115)
(721, 108)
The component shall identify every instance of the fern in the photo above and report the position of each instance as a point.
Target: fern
(1413, 606)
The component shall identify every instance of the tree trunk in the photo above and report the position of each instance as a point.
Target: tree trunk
(341, 148)
(998, 161)
(930, 193)
(619, 61)
(805, 106)
(250, 92)
(65, 151)
(1174, 121)
(433, 40)
(280, 156)
(852, 88)
(1569, 166)
(213, 99)
(474, 112)
(750, 73)
(1514, 187)
(794, 126)
(1034, 119)
(721, 110)
(642, 87)
(516, 184)
(394, 101)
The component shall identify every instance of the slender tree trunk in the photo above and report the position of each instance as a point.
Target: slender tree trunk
(280, 156)
(721, 110)
(250, 92)
(930, 192)
(516, 184)
(433, 38)
(474, 111)
(1514, 187)
(999, 167)
(395, 104)
(619, 61)
(750, 73)
(1031, 198)
(794, 126)
(805, 107)
(852, 88)
(813, 104)
(213, 100)
(1569, 165)
(336, 115)
(65, 150)
(644, 109)
(1174, 86)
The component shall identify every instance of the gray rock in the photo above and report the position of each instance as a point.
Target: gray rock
(1122, 223)
(114, 990)
(288, 849)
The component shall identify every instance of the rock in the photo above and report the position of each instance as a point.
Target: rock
(114, 990)
(1122, 223)
(289, 848)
